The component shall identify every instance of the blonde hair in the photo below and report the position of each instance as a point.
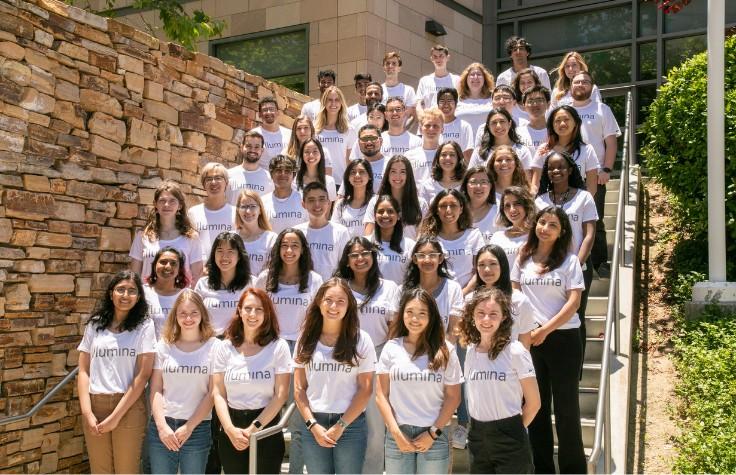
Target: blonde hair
(217, 168)
(263, 222)
(464, 90)
(563, 82)
(292, 150)
(390, 55)
(342, 124)
(172, 331)
(183, 225)
(433, 113)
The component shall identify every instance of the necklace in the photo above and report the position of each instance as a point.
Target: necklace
(561, 198)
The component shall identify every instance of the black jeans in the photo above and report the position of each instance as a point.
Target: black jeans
(270, 450)
(557, 364)
(500, 446)
(599, 253)
(588, 280)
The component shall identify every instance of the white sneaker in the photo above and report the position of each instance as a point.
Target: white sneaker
(459, 437)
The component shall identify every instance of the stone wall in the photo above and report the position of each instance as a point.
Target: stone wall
(93, 115)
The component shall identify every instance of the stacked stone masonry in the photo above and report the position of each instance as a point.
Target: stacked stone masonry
(93, 116)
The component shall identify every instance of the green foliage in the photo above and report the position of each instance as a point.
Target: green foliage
(675, 145)
(180, 26)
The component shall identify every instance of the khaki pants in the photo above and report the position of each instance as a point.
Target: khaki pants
(118, 451)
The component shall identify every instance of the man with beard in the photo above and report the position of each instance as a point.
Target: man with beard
(249, 174)
(275, 136)
(284, 205)
(361, 83)
(215, 215)
(519, 50)
(369, 140)
(600, 130)
(373, 95)
(325, 79)
(397, 140)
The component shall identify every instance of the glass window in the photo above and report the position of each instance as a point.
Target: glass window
(505, 31)
(647, 18)
(610, 66)
(507, 4)
(646, 96)
(571, 31)
(691, 17)
(256, 56)
(678, 50)
(648, 61)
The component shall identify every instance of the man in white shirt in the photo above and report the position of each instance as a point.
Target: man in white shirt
(421, 157)
(431, 83)
(325, 79)
(393, 87)
(397, 140)
(249, 174)
(214, 215)
(284, 205)
(454, 129)
(600, 130)
(519, 50)
(534, 132)
(373, 95)
(369, 141)
(361, 83)
(275, 137)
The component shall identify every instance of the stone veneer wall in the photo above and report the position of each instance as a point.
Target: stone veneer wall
(93, 115)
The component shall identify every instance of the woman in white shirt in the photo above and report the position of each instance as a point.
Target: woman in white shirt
(252, 369)
(478, 190)
(333, 371)
(419, 378)
(179, 433)
(572, 63)
(252, 224)
(164, 284)
(333, 130)
(394, 249)
(506, 169)
(500, 383)
(448, 169)
(356, 191)
(517, 213)
(551, 278)
(312, 167)
(474, 90)
(500, 130)
(115, 360)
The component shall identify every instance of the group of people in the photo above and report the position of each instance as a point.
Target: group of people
(382, 281)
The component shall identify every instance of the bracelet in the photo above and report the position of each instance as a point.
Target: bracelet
(429, 431)
(341, 422)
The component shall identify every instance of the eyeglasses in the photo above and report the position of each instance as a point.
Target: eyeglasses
(248, 207)
(358, 173)
(434, 256)
(164, 201)
(123, 290)
(363, 254)
(584, 82)
(536, 102)
(250, 310)
(395, 110)
(368, 138)
(214, 179)
(479, 182)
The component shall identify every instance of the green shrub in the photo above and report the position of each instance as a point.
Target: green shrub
(674, 145)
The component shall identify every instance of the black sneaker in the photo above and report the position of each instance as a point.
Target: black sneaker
(604, 271)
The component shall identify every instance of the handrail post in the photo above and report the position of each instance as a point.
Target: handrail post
(262, 434)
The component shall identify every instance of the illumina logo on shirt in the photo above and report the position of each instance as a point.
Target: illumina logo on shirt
(329, 366)
(487, 376)
(114, 352)
(458, 252)
(298, 301)
(391, 258)
(239, 376)
(173, 367)
(321, 246)
(214, 227)
(287, 214)
(552, 281)
(422, 376)
(377, 309)
(217, 303)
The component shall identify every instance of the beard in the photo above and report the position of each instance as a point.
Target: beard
(581, 95)
(249, 158)
(370, 153)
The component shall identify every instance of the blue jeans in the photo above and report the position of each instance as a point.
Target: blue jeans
(346, 457)
(435, 460)
(296, 425)
(191, 457)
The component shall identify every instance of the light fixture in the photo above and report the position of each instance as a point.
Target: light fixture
(434, 28)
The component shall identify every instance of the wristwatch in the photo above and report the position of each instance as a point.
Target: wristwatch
(606, 169)
(310, 423)
(435, 432)
(341, 422)
(257, 424)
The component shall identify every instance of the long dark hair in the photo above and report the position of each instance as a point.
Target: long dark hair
(574, 179)
(562, 245)
(524, 198)
(242, 268)
(182, 280)
(516, 85)
(411, 212)
(104, 314)
(518, 178)
(470, 334)
(321, 174)
(411, 279)
(432, 340)
(380, 108)
(276, 265)
(348, 192)
(472, 171)
(504, 280)
(373, 279)
(432, 224)
(488, 141)
(577, 138)
(346, 348)
(398, 234)
(269, 329)
(458, 172)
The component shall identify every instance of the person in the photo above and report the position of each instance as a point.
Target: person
(179, 434)
(333, 130)
(214, 215)
(164, 284)
(275, 136)
(397, 139)
(373, 96)
(564, 135)
(251, 374)
(505, 169)
(253, 227)
(394, 249)
(325, 79)
(361, 81)
(167, 225)
(447, 171)
(525, 80)
(376, 116)
(357, 191)
(454, 129)
(503, 97)
(398, 181)
(392, 87)
(249, 175)
(572, 63)
(440, 78)
(533, 133)
(334, 363)
(501, 408)
(419, 377)
(500, 129)
(326, 239)
(115, 361)
(421, 157)
(370, 143)
(519, 50)
(228, 274)
(474, 90)
(600, 130)
(516, 212)
(283, 206)
(550, 276)
(477, 188)
(377, 300)
(312, 168)
(302, 130)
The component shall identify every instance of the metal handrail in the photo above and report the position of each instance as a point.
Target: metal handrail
(42, 401)
(602, 441)
(262, 434)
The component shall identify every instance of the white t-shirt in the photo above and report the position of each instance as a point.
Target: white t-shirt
(378, 313)
(459, 253)
(421, 163)
(474, 112)
(159, 307)
(240, 179)
(186, 377)
(428, 189)
(525, 157)
(410, 231)
(547, 292)
(488, 225)
(522, 313)
(356, 124)
(355, 110)
(326, 245)
(378, 168)
(532, 138)
(210, 223)
(459, 131)
(337, 144)
(391, 263)
(401, 90)
(507, 77)
(113, 356)
(399, 144)
(416, 392)
(290, 304)
(510, 245)
(250, 380)
(598, 123)
(349, 217)
(584, 159)
(311, 109)
(331, 385)
(567, 98)
(493, 387)
(221, 304)
(273, 143)
(331, 191)
(580, 209)
(284, 213)
(259, 250)
(145, 250)
(430, 84)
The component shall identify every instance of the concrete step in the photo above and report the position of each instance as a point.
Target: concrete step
(595, 325)
(588, 426)
(597, 305)
(610, 208)
(612, 196)
(588, 398)
(591, 375)
(599, 287)
(593, 349)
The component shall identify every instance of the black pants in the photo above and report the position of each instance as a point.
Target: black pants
(500, 446)
(557, 364)
(270, 450)
(599, 253)
(588, 280)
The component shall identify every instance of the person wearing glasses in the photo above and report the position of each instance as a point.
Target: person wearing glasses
(478, 190)
(283, 206)
(252, 224)
(397, 140)
(214, 215)
(474, 91)
(370, 142)
(249, 175)
(275, 136)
